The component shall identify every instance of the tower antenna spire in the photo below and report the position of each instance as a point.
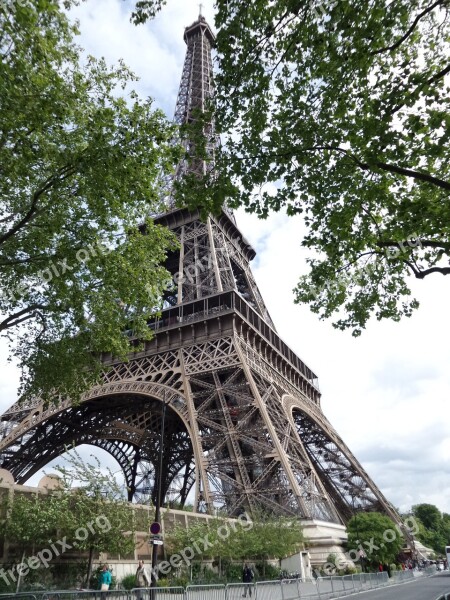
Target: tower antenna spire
(196, 89)
(200, 10)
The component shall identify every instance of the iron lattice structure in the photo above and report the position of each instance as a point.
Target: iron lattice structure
(244, 430)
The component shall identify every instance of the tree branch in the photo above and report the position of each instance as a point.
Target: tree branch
(352, 262)
(400, 41)
(368, 167)
(439, 75)
(387, 167)
(429, 81)
(422, 274)
(410, 173)
(421, 242)
(61, 176)
(29, 259)
(21, 316)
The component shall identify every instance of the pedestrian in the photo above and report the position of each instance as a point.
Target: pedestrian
(104, 580)
(247, 578)
(142, 579)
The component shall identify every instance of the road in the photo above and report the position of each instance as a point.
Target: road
(423, 588)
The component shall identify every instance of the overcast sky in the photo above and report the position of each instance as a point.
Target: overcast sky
(387, 392)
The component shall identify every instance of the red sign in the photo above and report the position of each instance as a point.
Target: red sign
(155, 528)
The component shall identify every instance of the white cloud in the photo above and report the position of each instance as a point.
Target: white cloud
(387, 392)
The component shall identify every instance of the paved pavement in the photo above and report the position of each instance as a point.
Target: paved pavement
(422, 588)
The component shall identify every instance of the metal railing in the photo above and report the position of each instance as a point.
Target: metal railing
(211, 592)
(400, 576)
(335, 587)
(322, 588)
(162, 593)
(20, 596)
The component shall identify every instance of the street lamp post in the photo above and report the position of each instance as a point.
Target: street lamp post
(177, 403)
(158, 491)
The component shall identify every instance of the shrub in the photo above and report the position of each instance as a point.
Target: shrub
(233, 573)
(264, 571)
(181, 581)
(128, 582)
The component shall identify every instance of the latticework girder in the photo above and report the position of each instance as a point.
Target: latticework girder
(250, 434)
(213, 258)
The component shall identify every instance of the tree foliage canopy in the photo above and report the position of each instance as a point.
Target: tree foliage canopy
(95, 493)
(341, 114)
(375, 537)
(87, 510)
(262, 538)
(80, 163)
(434, 526)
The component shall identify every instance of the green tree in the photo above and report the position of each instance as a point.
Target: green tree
(340, 114)
(31, 521)
(375, 537)
(180, 537)
(80, 165)
(100, 519)
(434, 527)
(429, 515)
(446, 523)
(86, 512)
(269, 537)
(262, 538)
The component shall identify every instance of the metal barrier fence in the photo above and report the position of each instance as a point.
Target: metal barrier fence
(334, 586)
(83, 595)
(20, 596)
(400, 576)
(322, 588)
(162, 593)
(236, 590)
(212, 592)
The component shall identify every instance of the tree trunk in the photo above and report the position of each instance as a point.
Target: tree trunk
(19, 579)
(89, 567)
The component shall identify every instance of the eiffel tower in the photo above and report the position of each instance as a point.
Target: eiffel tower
(243, 427)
